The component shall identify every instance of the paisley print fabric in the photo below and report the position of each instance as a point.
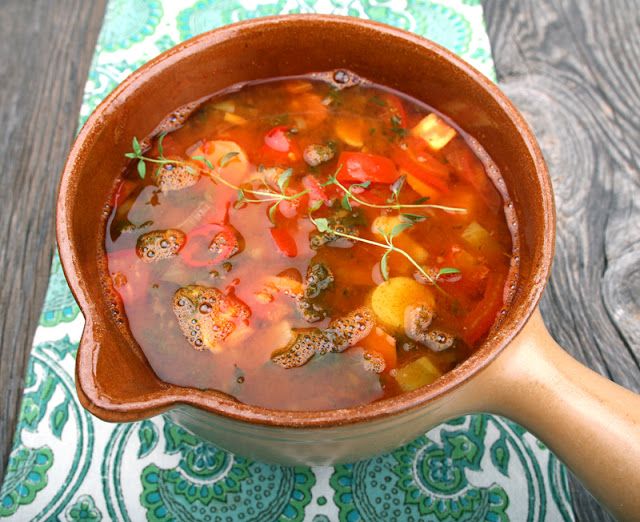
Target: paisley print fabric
(67, 465)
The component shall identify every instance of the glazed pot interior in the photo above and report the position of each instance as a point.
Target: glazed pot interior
(115, 381)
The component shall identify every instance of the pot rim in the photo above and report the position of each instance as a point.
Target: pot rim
(219, 404)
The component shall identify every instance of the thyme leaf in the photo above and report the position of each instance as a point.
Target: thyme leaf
(401, 227)
(224, 161)
(136, 147)
(284, 178)
(160, 151)
(444, 271)
(384, 269)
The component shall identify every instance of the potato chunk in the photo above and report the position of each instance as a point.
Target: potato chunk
(390, 300)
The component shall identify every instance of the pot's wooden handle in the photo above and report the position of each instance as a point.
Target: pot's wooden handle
(589, 422)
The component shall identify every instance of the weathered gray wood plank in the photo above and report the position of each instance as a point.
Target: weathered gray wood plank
(571, 67)
(45, 51)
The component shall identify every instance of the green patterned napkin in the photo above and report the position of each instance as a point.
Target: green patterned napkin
(68, 465)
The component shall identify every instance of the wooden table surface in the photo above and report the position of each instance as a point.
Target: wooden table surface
(571, 66)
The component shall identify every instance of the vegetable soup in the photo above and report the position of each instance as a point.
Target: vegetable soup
(309, 243)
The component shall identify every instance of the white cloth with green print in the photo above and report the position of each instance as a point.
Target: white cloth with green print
(68, 465)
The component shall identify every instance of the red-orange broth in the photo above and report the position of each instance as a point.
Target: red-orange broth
(225, 290)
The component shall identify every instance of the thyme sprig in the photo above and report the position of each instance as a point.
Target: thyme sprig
(322, 224)
(270, 195)
(393, 203)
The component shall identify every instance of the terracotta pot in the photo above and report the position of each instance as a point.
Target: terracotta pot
(519, 372)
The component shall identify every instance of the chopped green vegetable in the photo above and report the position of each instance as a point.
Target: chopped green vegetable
(417, 374)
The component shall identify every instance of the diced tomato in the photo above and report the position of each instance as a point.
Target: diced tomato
(279, 147)
(397, 114)
(480, 319)
(467, 165)
(278, 140)
(472, 279)
(197, 249)
(291, 208)
(310, 108)
(382, 343)
(282, 283)
(236, 162)
(316, 191)
(368, 196)
(426, 190)
(359, 167)
(421, 165)
(124, 190)
(285, 243)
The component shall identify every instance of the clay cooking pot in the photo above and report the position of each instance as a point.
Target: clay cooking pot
(518, 372)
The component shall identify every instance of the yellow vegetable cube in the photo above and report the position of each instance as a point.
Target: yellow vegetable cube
(434, 131)
(230, 117)
(417, 374)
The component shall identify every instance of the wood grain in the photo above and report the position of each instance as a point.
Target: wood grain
(571, 67)
(45, 51)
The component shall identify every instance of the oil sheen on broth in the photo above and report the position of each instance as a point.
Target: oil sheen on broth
(309, 243)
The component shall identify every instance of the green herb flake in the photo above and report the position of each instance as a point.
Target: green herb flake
(398, 229)
(160, 144)
(384, 269)
(412, 218)
(224, 161)
(396, 121)
(322, 225)
(136, 147)
(272, 213)
(205, 161)
(397, 185)
(444, 271)
(315, 205)
(284, 178)
(378, 101)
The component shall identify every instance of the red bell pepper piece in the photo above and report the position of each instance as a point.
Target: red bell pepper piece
(423, 166)
(359, 167)
(316, 191)
(208, 245)
(285, 243)
(480, 319)
(279, 148)
(467, 165)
